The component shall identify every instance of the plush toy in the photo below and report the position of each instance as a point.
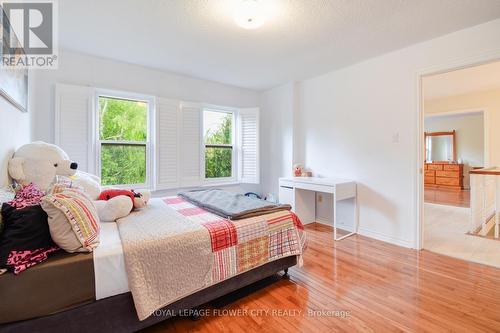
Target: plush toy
(88, 182)
(138, 199)
(141, 199)
(297, 170)
(110, 210)
(113, 209)
(39, 163)
(43, 164)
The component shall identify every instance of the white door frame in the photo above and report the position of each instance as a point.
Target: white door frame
(419, 121)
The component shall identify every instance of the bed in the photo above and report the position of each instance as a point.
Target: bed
(99, 291)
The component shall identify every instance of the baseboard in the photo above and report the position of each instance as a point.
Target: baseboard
(386, 238)
(369, 233)
(325, 221)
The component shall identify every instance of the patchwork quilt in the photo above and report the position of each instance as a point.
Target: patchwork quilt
(238, 246)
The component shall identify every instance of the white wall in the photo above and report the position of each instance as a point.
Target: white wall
(80, 69)
(14, 132)
(277, 114)
(469, 137)
(360, 122)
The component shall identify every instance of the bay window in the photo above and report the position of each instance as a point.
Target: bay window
(139, 141)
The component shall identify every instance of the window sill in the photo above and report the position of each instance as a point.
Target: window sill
(127, 187)
(199, 186)
(220, 183)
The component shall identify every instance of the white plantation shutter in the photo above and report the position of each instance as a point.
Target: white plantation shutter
(167, 143)
(248, 142)
(178, 138)
(190, 144)
(73, 124)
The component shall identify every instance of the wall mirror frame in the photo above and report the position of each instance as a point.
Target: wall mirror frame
(452, 136)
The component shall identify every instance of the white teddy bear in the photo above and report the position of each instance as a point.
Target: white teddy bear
(40, 163)
(108, 210)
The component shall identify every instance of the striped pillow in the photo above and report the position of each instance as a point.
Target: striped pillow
(81, 215)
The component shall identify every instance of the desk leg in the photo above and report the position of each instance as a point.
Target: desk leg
(345, 211)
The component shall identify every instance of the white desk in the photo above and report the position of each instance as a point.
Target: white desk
(300, 193)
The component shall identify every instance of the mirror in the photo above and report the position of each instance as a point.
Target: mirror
(440, 146)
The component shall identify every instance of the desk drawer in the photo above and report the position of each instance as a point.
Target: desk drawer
(286, 196)
(430, 173)
(286, 183)
(315, 187)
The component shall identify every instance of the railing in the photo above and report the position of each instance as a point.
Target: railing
(485, 201)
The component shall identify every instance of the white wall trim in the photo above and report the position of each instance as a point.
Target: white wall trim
(371, 233)
(324, 221)
(418, 160)
(385, 238)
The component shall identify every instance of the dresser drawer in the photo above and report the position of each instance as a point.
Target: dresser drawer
(434, 167)
(430, 173)
(429, 180)
(447, 181)
(451, 167)
(448, 174)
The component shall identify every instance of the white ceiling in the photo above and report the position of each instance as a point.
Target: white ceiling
(303, 38)
(468, 80)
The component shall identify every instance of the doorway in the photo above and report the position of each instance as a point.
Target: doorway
(460, 109)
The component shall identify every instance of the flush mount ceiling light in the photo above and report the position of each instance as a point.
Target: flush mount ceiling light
(249, 14)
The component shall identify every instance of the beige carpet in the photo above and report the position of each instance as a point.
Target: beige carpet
(445, 229)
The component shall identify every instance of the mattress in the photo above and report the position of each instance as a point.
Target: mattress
(109, 263)
(62, 282)
(86, 276)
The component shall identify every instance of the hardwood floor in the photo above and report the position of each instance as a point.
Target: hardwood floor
(448, 197)
(362, 285)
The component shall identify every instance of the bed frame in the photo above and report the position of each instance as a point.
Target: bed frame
(117, 313)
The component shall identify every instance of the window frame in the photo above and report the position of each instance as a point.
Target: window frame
(150, 135)
(233, 179)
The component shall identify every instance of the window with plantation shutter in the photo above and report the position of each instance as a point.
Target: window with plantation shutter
(167, 143)
(73, 124)
(124, 138)
(218, 140)
(248, 157)
(190, 145)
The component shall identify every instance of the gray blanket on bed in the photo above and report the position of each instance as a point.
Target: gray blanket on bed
(230, 205)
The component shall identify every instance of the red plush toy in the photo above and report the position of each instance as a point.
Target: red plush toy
(108, 194)
(139, 200)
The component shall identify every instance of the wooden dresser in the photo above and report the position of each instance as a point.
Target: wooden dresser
(444, 175)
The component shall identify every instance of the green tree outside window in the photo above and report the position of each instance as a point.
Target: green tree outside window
(125, 123)
(218, 144)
